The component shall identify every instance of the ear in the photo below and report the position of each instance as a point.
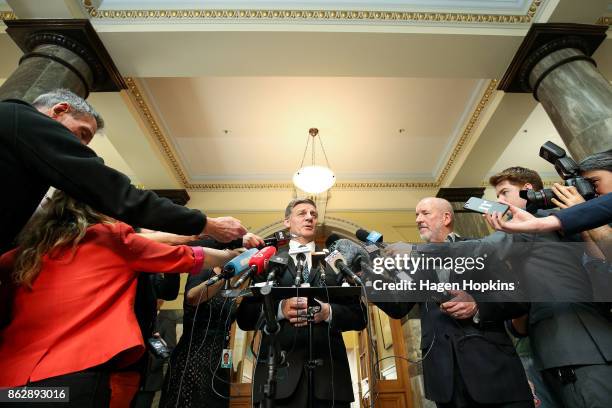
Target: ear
(60, 108)
(286, 223)
(527, 186)
(447, 219)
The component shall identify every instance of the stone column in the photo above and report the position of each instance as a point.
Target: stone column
(554, 63)
(59, 54)
(468, 224)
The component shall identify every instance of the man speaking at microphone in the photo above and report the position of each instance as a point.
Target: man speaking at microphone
(332, 377)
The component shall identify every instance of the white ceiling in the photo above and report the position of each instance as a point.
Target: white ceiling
(524, 148)
(268, 120)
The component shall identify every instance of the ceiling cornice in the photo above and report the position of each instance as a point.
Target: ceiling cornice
(7, 15)
(275, 15)
(468, 130)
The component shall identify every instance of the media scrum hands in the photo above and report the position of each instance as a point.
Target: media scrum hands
(522, 221)
(224, 229)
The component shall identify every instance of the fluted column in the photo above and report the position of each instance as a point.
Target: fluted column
(59, 54)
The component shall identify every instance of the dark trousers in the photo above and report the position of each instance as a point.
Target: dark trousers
(299, 399)
(462, 399)
(87, 389)
(588, 386)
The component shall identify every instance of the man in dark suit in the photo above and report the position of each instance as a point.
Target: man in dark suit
(44, 144)
(332, 377)
(572, 342)
(468, 358)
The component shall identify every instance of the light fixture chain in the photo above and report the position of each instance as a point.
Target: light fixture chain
(323, 149)
(305, 150)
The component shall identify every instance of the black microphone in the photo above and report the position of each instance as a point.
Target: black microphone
(299, 268)
(370, 237)
(353, 254)
(278, 263)
(331, 239)
(338, 264)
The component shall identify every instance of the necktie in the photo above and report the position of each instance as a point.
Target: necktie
(306, 271)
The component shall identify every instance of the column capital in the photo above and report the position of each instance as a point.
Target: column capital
(77, 36)
(544, 39)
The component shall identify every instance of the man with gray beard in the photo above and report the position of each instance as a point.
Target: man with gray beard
(469, 360)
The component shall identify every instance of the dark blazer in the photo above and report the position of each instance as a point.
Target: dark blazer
(592, 214)
(346, 315)
(481, 350)
(565, 328)
(37, 152)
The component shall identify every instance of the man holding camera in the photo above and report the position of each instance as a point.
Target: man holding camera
(597, 169)
(572, 342)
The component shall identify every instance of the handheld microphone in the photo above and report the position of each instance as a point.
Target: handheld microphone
(354, 254)
(331, 239)
(280, 238)
(338, 264)
(299, 269)
(371, 237)
(257, 265)
(278, 263)
(234, 267)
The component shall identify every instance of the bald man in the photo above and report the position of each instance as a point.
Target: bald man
(467, 361)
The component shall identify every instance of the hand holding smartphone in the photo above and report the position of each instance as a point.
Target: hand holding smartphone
(485, 206)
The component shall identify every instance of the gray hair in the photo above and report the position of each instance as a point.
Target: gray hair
(295, 202)
(79, 105)
(597, 161)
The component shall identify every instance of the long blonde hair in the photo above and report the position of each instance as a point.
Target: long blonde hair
(62, 222)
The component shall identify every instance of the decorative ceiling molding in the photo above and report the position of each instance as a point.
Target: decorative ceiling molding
(7, 15)
(468, 130)
(155, 130)
(272, 15)
(181, 175)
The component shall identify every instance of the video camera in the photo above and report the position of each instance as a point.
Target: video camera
(567, 168)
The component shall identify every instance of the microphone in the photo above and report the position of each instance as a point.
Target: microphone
(373, 237)
(331, 239)
(354, 254)
(278, 263)
(280, 238)
(234, 267)
(338, 264)
(301, 260)
(257, 264)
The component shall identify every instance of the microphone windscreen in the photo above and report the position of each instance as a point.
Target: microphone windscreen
(351, 252)
(362, 235)
(331, 239)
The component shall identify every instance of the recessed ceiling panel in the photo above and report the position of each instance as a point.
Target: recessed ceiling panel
(247, 128)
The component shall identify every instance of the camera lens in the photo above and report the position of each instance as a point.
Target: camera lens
(541, 199)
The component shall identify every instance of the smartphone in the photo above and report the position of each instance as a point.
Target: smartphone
(485, 206)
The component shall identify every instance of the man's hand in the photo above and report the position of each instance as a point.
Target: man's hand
(522, 222)
(251, 240)
(566, 196)
(224, 229)
(462, 306)
(322, 315)
(294, 310)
